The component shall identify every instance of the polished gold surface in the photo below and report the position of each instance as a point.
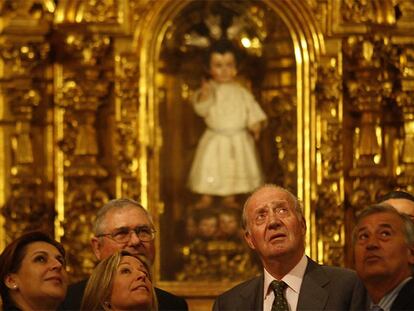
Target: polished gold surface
(95, 104)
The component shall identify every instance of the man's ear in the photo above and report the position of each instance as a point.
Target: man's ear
(248, 238)
(96, 247)
(303, 225)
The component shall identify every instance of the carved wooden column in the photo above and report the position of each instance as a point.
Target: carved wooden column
(369, 85)
(126, 118)
(329, 204)
(405, 101)
(405, 97)
(23, 60)
(97, 94)
(82, 93)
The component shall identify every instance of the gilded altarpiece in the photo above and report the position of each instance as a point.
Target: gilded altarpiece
(95, 104)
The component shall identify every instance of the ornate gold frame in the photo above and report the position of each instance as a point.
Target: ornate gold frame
(308, 45)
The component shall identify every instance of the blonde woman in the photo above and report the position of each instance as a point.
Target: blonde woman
(120, 282)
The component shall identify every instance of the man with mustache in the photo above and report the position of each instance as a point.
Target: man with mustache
(402, 201)
(123, 224)
(275, 228)
(384, 257)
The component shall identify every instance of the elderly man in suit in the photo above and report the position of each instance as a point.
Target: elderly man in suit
(275, 228)
(123, 224)
(384, 257)
(402, 201)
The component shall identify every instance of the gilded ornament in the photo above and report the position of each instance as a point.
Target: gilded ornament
(101, 11)
(93, 93)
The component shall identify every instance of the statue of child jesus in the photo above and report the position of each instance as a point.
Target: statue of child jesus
(226, 163)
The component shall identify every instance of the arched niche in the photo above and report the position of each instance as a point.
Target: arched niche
(285, 91)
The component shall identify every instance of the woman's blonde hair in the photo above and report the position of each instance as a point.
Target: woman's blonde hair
(99, 287)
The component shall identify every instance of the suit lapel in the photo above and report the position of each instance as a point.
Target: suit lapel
(251, 296)
(313, 295)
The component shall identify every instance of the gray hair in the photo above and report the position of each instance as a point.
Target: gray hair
(116, 204)
(408, 225)
(397, 194)
(298, 204)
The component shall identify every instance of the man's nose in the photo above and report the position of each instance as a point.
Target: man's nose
(274, 218)
(134, 239)
(372, 242)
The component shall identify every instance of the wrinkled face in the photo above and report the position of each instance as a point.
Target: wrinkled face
(403, 206)
(42, 278)
(131, 288)
(118, 219)
(381, 251)
(223, 67)
(274, 229)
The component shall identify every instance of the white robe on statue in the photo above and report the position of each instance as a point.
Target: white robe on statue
(226, 162)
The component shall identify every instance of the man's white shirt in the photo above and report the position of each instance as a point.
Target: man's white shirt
(293, 280)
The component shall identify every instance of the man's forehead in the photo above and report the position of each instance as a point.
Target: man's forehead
(384, 219)
(126, 217)
(378, 225)
(269, 194)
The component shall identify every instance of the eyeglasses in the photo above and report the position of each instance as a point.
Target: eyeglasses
(123, 235)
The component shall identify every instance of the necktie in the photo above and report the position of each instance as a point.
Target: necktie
(280, 302)
(376, 308)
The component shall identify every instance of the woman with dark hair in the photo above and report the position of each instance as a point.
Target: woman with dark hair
(32, 273)
(120, 282)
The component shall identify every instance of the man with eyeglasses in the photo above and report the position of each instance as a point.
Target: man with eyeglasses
(123, 224)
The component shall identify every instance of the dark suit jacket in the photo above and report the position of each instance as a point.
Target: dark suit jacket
(166, 300)
(403, 301)
(323, 288)
(405, 298)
